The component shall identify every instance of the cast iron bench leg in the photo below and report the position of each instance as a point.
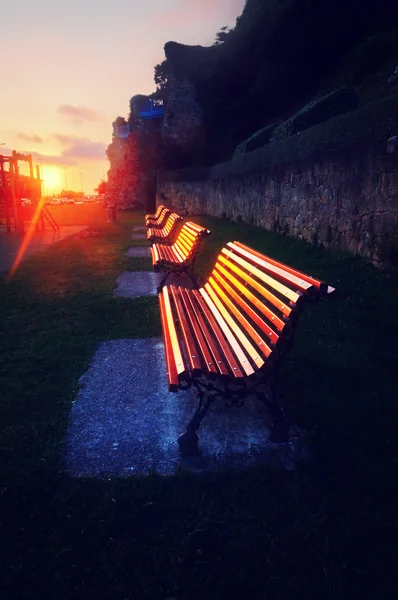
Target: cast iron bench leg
(162, 282)
(188, 441)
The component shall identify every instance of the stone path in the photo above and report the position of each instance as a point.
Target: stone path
(138, 252)
(133, 284)
(125, 421)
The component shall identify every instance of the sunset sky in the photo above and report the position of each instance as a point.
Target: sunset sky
(69, 69)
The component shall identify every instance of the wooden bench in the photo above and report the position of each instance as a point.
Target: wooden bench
(157, 219)
(180, 257)
(228, 337)
(165, 234)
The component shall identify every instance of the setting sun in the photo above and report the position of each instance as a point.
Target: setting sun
(52, 179)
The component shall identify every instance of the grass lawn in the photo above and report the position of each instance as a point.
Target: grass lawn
(326, 530)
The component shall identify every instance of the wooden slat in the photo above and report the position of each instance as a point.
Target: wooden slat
(296, 282)
(155, 255)
(271, 315)
(265, 328)
(235, 328)
(320, 285)
(188, 240)
(172, 375)
(233, 307)
(178, 358)
(199, 306)
(224, 336)
(271, 281)
(212, 363)
(182, 247)
(191, 348)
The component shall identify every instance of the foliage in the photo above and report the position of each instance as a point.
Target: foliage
(70, 194)
(161, 77)
(101, 189)
(276, 59)
(222, 35)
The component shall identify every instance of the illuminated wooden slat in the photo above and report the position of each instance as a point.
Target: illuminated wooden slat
(293, 280)
(191, 347)
(197, 227)
(178, 358)
(182, 247)
(189, 236)
(236, 330)
(155, 255)
(210, 362)
(166, 253)
(187, 239)
(271, 281)
(265, 328)
(177, 257)
(232, 341)
(273, 317)
(172, 374)
(320, 285)
(180, 257)
(277, 302)
(197, 303)
(226, 298)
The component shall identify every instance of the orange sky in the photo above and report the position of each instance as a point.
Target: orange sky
(69, 69)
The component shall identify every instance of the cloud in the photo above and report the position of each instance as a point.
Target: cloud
(30, 138)
(78, 147)
(78, 114)
(192, 11)
(85, 149)
(73, 149)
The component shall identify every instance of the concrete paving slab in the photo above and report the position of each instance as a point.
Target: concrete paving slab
(138, 252)
(139, 236)
(124, 421)
(11, 242)
(133, 284)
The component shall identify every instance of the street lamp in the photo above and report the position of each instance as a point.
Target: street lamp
(41, 160)
(81, 182)
(66, 181)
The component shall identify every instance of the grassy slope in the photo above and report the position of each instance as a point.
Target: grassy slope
(328, 530)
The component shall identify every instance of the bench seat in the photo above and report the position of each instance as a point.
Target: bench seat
(233, 330)
(179, 257)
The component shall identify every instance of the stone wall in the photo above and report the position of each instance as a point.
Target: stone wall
(346, 200)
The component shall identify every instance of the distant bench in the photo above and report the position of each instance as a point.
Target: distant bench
(158, 218)
(179, 257)
(228, 337)
(165, 233)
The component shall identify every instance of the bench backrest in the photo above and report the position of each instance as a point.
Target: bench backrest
(166, 232)
(156, 215)
(160, 221)
(188, 240)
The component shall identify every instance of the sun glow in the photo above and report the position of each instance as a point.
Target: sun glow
(52, 179)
